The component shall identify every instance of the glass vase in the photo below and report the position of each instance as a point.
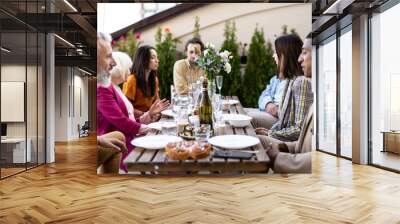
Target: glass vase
(212, 88)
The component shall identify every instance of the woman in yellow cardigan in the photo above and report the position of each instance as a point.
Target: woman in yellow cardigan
(141, 88)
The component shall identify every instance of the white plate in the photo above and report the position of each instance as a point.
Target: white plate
(230, 102)
(155, 141)
(234, 141)
(237, 120)
(160, 124)
(168, 113)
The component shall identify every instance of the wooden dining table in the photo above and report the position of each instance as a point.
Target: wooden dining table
(143, 161)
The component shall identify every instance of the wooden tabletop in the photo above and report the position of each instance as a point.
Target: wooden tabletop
(154, 162)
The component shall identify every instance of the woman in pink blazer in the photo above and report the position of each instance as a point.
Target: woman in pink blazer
(112, 115)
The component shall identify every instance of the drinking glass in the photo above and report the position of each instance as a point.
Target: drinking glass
(175, 105)
(220, 127)
(174, 99)
(184, 100)
(216, 103)
(232, 109)
(216, 100)
(172, 89)
(168, 128)
(196, 91)
(182, 120)
(202, 133)
(219, 80)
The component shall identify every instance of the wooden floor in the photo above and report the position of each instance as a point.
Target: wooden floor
(10, 171)
(387, 159)
(69, 191)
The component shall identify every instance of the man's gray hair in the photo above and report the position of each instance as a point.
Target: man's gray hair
(104, 36)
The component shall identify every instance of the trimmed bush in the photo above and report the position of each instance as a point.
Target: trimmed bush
(260, 68)
(128, 44)
(196, 31)
(167, 55)
(231, 83)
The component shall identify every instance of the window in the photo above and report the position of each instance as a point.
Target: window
(22, 74)
(385, 88)
(346, 93)
(326, 136)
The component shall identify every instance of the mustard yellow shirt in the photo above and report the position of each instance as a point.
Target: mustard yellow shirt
(136, 95)
(182, 74)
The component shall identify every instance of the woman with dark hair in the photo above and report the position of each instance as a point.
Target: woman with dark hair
(287, 50)
(269, 101)
(297, 94)
(141, 88)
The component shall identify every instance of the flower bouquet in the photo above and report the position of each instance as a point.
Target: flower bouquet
(213, 61)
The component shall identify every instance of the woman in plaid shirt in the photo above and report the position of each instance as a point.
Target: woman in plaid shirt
(297, 93)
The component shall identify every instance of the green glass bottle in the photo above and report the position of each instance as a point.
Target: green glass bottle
(205, 109)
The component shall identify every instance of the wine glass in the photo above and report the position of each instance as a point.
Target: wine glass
(182, 120)
(219, 80)
(196, 92)
(216, 101)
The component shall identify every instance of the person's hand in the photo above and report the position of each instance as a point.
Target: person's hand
(261, 131)
(143, 130)
(113, 143)
(272, 109)
(272, 153)
(158, 106)
(268, 107)
(282, 147)
(155, 118)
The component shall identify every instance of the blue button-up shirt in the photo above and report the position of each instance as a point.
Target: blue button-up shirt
(268, 95)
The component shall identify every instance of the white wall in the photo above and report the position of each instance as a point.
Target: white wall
(80, 100)
(16, 73)
(33, 127)
(269, 16)
(61, 103)
(71, 92)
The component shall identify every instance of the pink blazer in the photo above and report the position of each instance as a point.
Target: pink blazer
(112, 115)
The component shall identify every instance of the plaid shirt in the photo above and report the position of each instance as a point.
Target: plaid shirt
(295, 106)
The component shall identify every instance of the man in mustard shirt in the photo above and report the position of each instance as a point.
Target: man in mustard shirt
(186, 71)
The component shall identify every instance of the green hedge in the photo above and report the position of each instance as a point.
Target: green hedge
(167, 55)
(128, 43)
(260, 68)
(231, 82)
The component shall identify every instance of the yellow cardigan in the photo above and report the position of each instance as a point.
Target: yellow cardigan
(136, 96)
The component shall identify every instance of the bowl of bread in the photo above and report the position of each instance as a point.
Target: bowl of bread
(187, 150)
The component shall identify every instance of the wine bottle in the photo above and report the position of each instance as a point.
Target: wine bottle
(205, 109)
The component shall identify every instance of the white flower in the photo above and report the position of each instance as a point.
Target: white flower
(227, 53)
(210, 45)
(227, 68)
(206, 52)
(230, 57)
(224, 55)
